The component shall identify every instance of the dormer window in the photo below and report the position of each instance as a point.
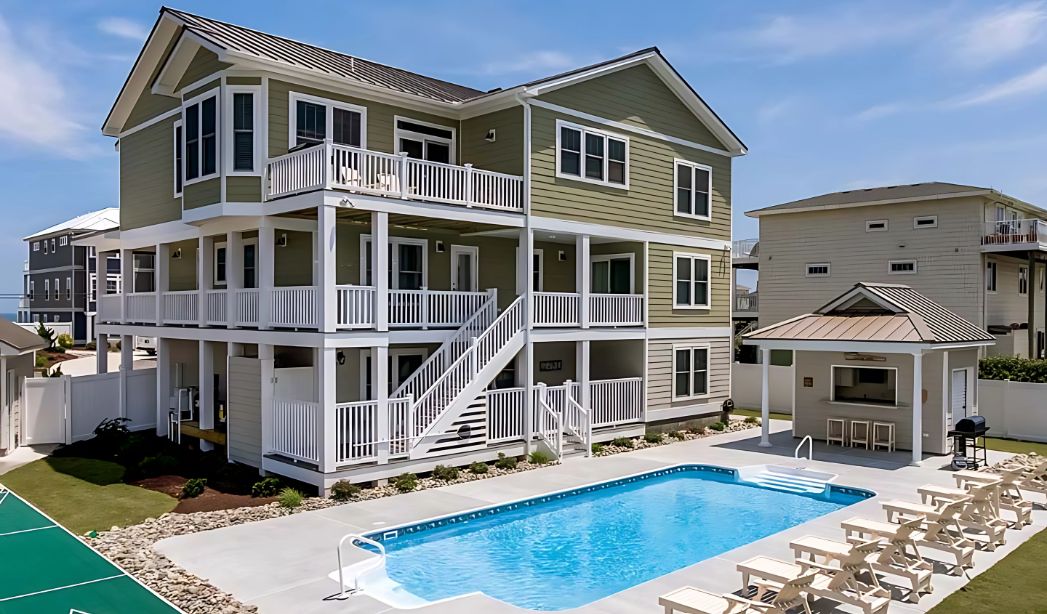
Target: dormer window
(200, 130)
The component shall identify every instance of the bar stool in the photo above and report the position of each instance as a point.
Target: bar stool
(836, 431)
(883, 436)
(860, 433)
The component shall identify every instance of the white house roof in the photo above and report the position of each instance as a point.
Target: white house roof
(103, 219)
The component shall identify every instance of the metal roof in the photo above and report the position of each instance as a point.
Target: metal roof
(20, 339)
(103, 219)
(876, 196)
(871, 312)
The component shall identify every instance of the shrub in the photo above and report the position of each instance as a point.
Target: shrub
(290, 498)
(266, 487)
(47, 334)
(90, 345)
(442, 472)
(479, 468)
(505, 462)
(405, 482)
(678, 434)
(65, 340)
(1013, 368)
(752, 420)
(596, 448)
(718, 426)
(653, 437)
(622, 442)
(159, 464)
(41, 361)
(539, 458)
(697, 430)
(193, 488)
(342, 490)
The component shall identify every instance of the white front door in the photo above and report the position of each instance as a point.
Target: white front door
(464, 268)
(959, 396)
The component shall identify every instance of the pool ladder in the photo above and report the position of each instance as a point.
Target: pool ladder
(379, 562)
(810, 448)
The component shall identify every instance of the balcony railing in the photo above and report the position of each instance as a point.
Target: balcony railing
(1015, 234)
(562, 309)
(746, 303)
(745, 248)
(332, 166)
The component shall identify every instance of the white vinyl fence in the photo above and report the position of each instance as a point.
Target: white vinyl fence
(1016, 410)
(747, 386)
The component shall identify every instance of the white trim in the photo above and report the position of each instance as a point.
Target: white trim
(634, 129)
(175, 112)
(891, 263)
(474, 274)
(692, 281)
(294, 97)
(399, 133)
(394, 354)
(230, 154)
(886, 201)
(63, 240)
(394, 259)
(540, 252)
(807, 269)
(882, 347)
(36, 246)
(594, 258)
(698, 332)
(871, 226)
(198, 100)
(625, 234)
(1023, 267)
(582, 153)
(916, 221)
(832, 385)
(178, 164)
(690, 375)
(694, 166)
(989, 263)
(215, 246)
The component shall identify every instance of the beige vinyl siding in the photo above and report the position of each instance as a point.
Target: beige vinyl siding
(648, 204)
(207, 87)
(949, 262)
(147, 177)
(505, 154)
(1005, 306)
(202, 193)
(659, 375)
(204, 63)
(245, 415)
(243, 81)
(661, 311)
(243, 189)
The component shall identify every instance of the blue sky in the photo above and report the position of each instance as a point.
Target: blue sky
(827, 95)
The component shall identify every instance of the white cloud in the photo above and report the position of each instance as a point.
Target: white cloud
(1029, 84)
(1000, 34)
(123, 28)
(776, 110)
(535, 62)
(34, 107)
(880, 111)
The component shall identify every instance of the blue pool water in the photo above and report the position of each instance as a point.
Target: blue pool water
(579, 547)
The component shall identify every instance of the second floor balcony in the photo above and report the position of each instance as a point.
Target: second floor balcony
(745, 253)
(1014, 235)
(328, 166)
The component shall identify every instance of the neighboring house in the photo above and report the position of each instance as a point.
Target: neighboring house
(978, 252)
(58, 277)
(17, 360)
(550, 257)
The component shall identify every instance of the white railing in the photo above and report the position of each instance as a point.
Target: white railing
(355, 306)
(616, 401)
(297, 430)
(293, 306)
(401, 426)
(445, 390)
(556, 308)
(556, 396)
(578, 421)
(180, 307)
(505, 409)
(371, 172)
(245, 305)
(548, 424)
(439, 308)
(109, 307)
(616, 309)
(746, 303)
(1015, 232)
(810, 448)
(141, 307)
(217, 313)
(356, 431)
(743, 248)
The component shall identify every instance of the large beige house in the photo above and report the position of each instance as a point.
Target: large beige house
(976, 251)
(353, 270)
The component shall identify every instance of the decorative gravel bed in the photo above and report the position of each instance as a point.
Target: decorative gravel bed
(132, 547)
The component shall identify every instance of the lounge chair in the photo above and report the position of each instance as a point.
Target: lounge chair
(692, 600)
(839, 584)
(901, 556)
(979, 513)
(1032, 472)
(1008, 495)
(940, 526)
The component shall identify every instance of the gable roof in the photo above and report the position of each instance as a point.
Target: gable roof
(915, 192)
(20, 339)
(103, 219)
(874, 312)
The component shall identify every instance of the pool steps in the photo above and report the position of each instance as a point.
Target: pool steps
(788, 479)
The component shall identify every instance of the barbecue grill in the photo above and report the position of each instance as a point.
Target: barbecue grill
(968, 443)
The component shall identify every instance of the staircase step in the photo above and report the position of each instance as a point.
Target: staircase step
(788, 482)
(799, 479)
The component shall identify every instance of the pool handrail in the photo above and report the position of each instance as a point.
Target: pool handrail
(810, 448)
(354, 537)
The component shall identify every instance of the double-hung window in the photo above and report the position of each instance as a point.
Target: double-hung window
(58, 290)
(691, 281)
(591, 155)
(990, 276)
(243, 124)
(47, 289)
(68, 288)
(690, 371)
(63, 241)
(1023, 280)
(314, 119)
(36, 246)
(179, 144)
(200, 128)
(693, 188)
(424, 141)
(220, 252)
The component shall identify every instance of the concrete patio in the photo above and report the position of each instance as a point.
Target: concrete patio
(282, 565)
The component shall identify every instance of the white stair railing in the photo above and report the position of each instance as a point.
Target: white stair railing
(577, 421)
(549, 424)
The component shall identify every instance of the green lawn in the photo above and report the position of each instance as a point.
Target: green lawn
(85, 494)
(1016, 447)
(755, 412)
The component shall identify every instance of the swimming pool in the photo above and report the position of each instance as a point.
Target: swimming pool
(571, 548)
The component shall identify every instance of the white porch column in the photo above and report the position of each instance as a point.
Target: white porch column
(204, 275)
(102, 353)
(582, 373)
(380, 268)
(324, 276)
(234, 274)
(380, 390)
(525, 364)
(917, 407)
(163, 385)
(765, 398)
(127, 344)
(162, 276)
(265, 360)
(582, 283)
(266, 271)
(205, 363)
(327, 397)
(126, 280)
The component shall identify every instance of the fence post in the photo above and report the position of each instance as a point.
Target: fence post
(469, 185)
(423, 307)
(67, 407)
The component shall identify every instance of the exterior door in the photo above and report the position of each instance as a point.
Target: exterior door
(464, 268)
(959, 395)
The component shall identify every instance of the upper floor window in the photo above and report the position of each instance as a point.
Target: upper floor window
(63, 241)
(817, 269)
(990, 276)
(219, 263)
(314, 119)
(691, 280)
(901, 267)
(242, 114)
(178, 165)
(53, 245)
(1023, 280)
(200, 126)
(694, 183)
(875, 225)
(45, 246)
(32, 289)
(925, 221)
(590, 155)
(36, 246)
(68, 288)
(425, 141)
(47, 289)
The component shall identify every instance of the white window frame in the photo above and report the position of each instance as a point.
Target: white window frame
(36, 246)
(807, 269)
(176, 163)
(199, 98)
(68, 288)
(58, 288)
(933, 219)
(994, 278)
(329, 105)
(676, 186)
(832, 385)
(92, 287)
(891, 263)
(605, 135)
(870, 226)
(63, 241)
(708, 367)
(452, 143)
(709, 280)
(394, 259)
(47, 289)
(45, 247)
(53, 249)
(609, 257)
(1023, 277)
(32, 289)
(395, 353)
(256, 130)
(214, 263)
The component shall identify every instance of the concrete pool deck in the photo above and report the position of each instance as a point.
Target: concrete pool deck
(282, 565)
